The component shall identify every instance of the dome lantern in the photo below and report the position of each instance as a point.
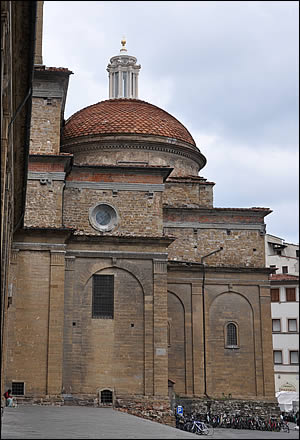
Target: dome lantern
(123, 75)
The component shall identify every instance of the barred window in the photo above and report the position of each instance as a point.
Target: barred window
(231, 334)
(106, 396)
(17, 388)
(103, 296)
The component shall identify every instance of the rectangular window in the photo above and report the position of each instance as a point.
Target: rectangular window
(17, 388)
(277, 356)
(103, 296)
(285, 269)
(297, 253)
(290, 293)
(294, 357)
(292, 325)
(274, 295)
(276, 325)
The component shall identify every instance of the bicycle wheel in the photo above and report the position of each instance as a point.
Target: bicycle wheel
(207, 429)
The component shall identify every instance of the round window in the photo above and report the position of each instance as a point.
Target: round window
(103, 217)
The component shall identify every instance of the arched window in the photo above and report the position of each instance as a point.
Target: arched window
(231, 335)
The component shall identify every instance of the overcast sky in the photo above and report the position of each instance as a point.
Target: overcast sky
(228, 70)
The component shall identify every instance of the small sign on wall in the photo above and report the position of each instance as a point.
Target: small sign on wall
(160, 351)
(179, 410)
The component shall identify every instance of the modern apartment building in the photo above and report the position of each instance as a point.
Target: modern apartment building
(285, 311)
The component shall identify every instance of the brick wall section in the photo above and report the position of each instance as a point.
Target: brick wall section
(46, 167)
(45, 126)
(241, 248)
(44, 204)
(139, 214)
(98, 176)
(182, 194)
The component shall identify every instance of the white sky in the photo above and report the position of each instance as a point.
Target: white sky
(228, 70)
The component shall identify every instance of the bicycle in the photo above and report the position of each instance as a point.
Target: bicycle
(200, 428)
(284, 426)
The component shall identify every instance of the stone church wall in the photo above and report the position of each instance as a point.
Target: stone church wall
(243, 298)
(241, 248)
(139, 212)
(28, 342)
(45, 126)
(184, 194)
(44, 204)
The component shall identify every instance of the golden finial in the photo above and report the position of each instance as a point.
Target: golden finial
(123, 42)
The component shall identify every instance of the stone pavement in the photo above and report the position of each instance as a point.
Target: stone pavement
(70, 422)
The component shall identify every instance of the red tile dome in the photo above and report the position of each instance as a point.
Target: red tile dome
(125, 116)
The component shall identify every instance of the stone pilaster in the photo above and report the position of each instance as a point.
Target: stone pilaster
(267, 344)
(56, 322)
(68, 323)
(197, 324)
(160, 319)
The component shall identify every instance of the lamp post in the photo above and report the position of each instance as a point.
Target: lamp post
(203, 307)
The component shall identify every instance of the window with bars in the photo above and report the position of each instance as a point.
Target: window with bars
(106, 397)
(277, 356)
(290, 294)
(274, 295)
(231, 335)
(276, 325)
(17, 388)
(103, 296)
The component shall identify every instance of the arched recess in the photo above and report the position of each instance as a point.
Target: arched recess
(112, 350)
(229, 367)
(177, 343)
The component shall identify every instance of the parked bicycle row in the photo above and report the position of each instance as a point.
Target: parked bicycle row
(233, 422)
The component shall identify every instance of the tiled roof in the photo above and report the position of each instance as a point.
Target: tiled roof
(52, 69)
(125, 116)
(283, 277)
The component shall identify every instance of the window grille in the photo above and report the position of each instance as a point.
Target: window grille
(17, 388)
(103, 296)
(290, 293)
(106, 396)
(231, 335)
(274, 295)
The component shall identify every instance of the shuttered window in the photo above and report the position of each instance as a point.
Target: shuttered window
(103, 296)
(290, 294)
(274, 295)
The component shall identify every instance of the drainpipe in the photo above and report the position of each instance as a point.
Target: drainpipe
(203, 307)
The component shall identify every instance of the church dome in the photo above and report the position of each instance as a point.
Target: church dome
(125, 116)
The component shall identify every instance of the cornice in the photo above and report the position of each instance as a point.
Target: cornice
(183, 150)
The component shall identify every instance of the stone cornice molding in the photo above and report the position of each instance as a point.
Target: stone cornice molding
(183, 150)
